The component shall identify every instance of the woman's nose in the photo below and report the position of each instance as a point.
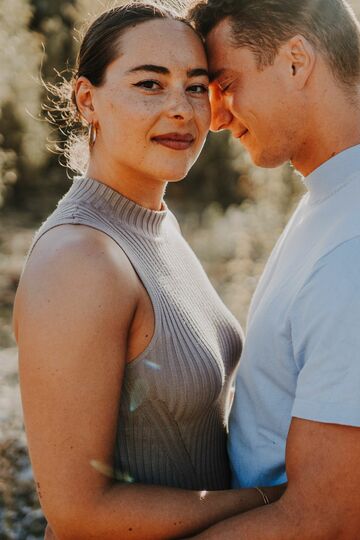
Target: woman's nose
(180, 106)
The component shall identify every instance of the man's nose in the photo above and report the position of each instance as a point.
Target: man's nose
(221, 115)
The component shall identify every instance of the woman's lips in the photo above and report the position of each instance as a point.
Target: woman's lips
(175, 141)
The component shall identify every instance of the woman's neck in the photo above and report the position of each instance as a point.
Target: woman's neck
(143, 190)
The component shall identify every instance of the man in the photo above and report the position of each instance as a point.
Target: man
(285, 82)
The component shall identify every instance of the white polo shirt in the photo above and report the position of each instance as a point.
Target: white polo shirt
(302, 351)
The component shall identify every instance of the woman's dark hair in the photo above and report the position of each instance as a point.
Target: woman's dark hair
(99, 48)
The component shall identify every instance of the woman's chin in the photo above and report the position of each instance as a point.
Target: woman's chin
(174, 169)
(174, 174)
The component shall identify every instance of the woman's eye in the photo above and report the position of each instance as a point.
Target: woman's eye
(198, 89)
(148, 85)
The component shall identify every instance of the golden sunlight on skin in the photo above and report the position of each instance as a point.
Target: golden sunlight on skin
(151, 120)
(257, 117)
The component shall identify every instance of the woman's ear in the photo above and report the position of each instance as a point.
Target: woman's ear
(301, 57)
(84, 99)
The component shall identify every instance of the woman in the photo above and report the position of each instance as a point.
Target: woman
(126, 352)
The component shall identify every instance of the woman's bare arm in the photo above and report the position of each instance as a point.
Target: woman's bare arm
(74, 308)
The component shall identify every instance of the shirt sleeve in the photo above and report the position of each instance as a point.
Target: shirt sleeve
(325, 326)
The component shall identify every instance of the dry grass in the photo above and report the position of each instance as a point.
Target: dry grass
(15, 238)
(20, 515)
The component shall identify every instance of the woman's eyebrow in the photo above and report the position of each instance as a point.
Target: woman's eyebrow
(150, 67)
(196, 72)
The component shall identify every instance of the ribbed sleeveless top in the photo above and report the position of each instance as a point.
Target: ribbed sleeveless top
(172, 426)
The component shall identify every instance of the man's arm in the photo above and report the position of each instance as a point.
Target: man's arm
(322, 500)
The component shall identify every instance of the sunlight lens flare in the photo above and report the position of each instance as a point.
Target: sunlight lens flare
(108, 471)
(152, 365)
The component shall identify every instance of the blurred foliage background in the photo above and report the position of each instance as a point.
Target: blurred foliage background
(230, 211)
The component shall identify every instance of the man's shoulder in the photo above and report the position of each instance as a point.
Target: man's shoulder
(330, 292)
(340, 263)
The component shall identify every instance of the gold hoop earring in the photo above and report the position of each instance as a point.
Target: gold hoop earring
(92, 135)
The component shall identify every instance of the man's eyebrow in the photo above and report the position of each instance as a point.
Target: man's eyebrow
(216, 74)
(150, 67)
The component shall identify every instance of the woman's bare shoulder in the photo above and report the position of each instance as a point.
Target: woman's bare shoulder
(77, 262)
(77, 244)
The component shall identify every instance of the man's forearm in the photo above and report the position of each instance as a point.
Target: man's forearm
(259, 524)
(278, 521)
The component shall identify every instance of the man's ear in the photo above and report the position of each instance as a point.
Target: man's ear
(301, 57)
(84, 99)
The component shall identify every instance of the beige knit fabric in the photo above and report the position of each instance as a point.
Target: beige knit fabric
(173, 410)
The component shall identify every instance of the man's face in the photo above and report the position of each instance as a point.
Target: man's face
(258, 106)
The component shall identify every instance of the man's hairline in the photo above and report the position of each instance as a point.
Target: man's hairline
(256, 50)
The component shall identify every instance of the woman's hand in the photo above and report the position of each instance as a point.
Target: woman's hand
(275, 492)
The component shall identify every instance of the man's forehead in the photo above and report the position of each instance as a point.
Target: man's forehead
(220, 35)
(225, 59)
(219, 49)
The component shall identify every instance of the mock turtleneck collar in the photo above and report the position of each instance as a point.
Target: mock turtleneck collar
(333, 174)
(118, 206)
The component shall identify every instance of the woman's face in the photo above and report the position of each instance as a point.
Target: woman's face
(152, 113)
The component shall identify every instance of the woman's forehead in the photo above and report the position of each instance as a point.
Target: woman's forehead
(164, 42)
